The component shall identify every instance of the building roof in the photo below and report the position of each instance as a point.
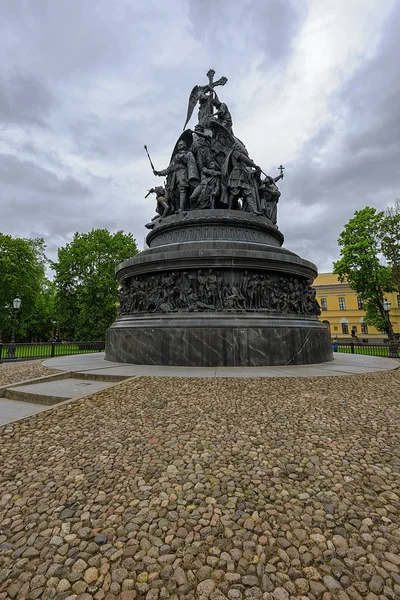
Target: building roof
(329, 280)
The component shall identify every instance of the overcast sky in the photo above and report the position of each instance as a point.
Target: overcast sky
(84, 84)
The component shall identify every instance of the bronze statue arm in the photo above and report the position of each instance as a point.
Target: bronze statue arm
(247, 161)
(211, 172)
(162, 173)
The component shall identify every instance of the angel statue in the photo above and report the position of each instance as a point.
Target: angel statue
(205, 96)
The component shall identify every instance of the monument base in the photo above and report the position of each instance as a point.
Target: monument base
(219, 340)
(216, 288)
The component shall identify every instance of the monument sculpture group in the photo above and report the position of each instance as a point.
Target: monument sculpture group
(215, 287)
(211, 168)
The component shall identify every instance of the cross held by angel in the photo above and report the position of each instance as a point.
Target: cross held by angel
(207, 98)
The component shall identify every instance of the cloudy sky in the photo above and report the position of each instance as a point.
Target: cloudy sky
(84, 84)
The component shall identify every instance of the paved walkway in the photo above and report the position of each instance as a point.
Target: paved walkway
(342, 364)
(65, 388)
(39, 396)
(13, 410)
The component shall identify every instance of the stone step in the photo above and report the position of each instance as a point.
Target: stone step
(53, 392)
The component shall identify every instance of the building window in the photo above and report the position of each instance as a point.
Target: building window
(345, 328)
(398, 301)
(342, 304)
(364, 328)
(360, 303)
(324, 304)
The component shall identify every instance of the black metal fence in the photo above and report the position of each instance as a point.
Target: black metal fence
(14, 352)
(17, 352)
(390, 350)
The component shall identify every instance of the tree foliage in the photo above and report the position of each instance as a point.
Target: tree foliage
(86, 288)
(360, 265)
(22, 273)
(390, 240)
(41, 323)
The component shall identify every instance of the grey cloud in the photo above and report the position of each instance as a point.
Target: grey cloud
(38, 153)
(24, 100)
(107, 78)
(267, 26)
(362, 170)
(26, 175)
(65, 39)
(36, 202)
(372, 96)
(111, 139)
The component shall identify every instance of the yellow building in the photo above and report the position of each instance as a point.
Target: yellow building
(343, 310)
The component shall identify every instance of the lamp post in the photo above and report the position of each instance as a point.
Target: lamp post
(11, 349)
(392, 344)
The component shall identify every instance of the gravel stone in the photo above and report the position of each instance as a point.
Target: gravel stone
(188, 500)
(331, 583)
(376, 584)
(281, 594)
(206, 587)
(31, 369)
(180, 576)
(250, 580)
(63, 585)
(91, 575)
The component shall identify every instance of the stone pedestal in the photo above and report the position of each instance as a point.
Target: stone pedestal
(215, 288)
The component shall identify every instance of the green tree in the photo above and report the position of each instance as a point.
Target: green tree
(360, 265)
(86, 288)
(390, 240)
(22, 268)
(41, 323)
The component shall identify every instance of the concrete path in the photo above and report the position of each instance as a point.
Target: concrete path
(13, 410)
(342, 364)
(24, 400)
(64, 388)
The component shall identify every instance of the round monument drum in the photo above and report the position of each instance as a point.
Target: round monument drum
(215, 288)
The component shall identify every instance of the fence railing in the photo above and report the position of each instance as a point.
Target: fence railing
(390, 350)
(14, 352)
(17, 352)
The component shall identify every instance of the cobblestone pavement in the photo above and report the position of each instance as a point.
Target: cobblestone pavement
(206, 488)
(20, 371)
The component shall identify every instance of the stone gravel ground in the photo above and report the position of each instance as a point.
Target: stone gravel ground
(206, 488)
(13, 372)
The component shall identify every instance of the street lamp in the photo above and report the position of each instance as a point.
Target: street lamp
(11, 349)
(55, 332)
(392, 344)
